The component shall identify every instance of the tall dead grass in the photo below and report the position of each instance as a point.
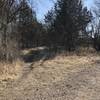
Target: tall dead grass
(51, 68)
(56, 69)
(10, 70)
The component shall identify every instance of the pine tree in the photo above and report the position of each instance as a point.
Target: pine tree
(69, 18)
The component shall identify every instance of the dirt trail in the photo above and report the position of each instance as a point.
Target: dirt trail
(81, 84)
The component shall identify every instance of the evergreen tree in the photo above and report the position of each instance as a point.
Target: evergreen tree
(68, 18)
(97, 26)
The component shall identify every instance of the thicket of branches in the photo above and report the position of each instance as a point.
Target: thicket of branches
(66, 26)
(19, 28)
(8, 44)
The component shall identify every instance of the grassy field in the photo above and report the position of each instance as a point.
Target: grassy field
(64, 77)
(50, 70)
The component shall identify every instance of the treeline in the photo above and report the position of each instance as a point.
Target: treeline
(19, 28)
(96, 25)
(65, 26)
(66, 22)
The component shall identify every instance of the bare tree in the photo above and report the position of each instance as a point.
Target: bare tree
(9, 10)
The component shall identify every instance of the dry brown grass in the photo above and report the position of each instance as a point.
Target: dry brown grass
(51, 79)
(85, 51)
(10, 70)
(51, 70)
(56, 69)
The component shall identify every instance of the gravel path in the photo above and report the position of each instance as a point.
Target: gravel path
(83, 84)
